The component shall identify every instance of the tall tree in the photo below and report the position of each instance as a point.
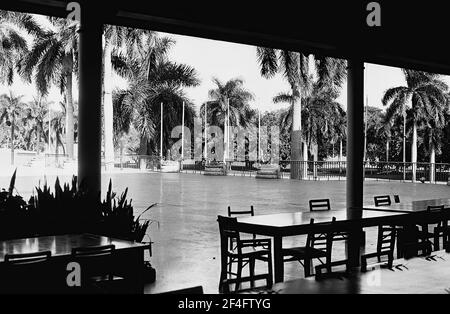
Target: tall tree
(11, 107)
(229, 105)
(295, 68)
(13, 44)
(35, 116)
(422, 90)
(153, 79)
(238, 97)
(53, 60)
(117, 41)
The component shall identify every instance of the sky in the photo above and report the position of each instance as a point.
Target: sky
(225, 61)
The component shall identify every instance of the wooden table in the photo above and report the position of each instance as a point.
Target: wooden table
(413, 207)
(420, 276)
(292, 224)
(129, 256)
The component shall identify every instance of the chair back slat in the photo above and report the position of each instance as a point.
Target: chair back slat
(319, 205)
(94, 251)
(435, 207)
(250, 212)
(384, 200)
(28, 258)
(386, 239)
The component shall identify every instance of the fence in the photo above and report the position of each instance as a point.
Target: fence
(143, 162)
(387, 171)
(310, 170)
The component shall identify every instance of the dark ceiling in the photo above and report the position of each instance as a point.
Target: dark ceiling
(411, 35)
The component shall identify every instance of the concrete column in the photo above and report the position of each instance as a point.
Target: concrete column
(355, 153)
(90, 90)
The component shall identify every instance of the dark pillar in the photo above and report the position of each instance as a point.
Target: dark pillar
(89, 125)
(355, 154)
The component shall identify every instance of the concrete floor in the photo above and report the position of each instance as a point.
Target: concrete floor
(186, 249)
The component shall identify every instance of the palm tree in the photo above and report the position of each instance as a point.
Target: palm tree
(34, 118)
(153, 80)
(11, 107)
(117, 40)
(433, 124)
(53, 60)
(423, 90)
(57, 124)
(238, 97)
(295, 68)
(229, 105)
(13, 45)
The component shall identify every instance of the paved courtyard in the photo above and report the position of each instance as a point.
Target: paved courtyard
(186, 249)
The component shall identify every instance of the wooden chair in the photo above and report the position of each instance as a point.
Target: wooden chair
(326, 270)
(384, 200)
(27, 273)
(319, 205)
(235, 213)
(397, 199)
(97, 269)
(411, 242)
(246, 252)
(317, 247)
(438, 230)
(385, 247)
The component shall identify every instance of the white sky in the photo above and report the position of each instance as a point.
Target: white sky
(225, 61)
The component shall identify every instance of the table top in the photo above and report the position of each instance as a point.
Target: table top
(61, 245)
(419, 275)
(303, 218)
(413, 207)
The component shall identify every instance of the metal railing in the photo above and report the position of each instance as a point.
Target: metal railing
(310, 170)
(387, 171)
(143, 162)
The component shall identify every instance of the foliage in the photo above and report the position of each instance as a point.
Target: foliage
(153, 79)
(69, 209)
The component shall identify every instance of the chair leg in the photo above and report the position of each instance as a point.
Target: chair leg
(363, 265)
(436, 241)
(269, 271)
(222, 280)
(238, 275)
(223, 273)
(251, 265)
(307, 267)
(390, 260)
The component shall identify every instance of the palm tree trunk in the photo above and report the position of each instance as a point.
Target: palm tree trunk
(404, 144)
(414, 152)
(13, 122)
(316, 159)
(296, 137)
(432, 163)
(38, 139)
(108, 111)
(305, 160)
(69, 108)
(387, 151)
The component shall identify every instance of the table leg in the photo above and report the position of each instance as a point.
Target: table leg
(278, 259)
